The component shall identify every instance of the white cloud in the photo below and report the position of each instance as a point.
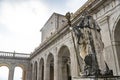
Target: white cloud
(24, 19)
(75, 4)
(23, 15)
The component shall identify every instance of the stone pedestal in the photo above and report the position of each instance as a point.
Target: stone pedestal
(100, 78)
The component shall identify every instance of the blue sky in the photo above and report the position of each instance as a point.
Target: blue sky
(21, 21)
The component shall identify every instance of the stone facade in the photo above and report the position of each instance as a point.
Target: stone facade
(55, 58)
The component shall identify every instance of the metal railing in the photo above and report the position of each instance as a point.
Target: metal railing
(13, 54)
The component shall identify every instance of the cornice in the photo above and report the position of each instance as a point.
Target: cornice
(51, 39)
(90, 6)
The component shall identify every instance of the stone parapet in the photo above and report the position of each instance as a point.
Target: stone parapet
(13, 54)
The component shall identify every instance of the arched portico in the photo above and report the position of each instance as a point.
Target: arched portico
(13, 60)
(64, 65)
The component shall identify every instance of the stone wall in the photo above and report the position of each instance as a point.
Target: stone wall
(55, 22)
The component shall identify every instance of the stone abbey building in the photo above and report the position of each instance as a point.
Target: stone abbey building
(55, 58)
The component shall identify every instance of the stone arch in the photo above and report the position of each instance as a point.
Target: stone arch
(20, 65)
(23, 68)
(18, 73)
(115, 25)
(41, 69)
(4, 66)
(50, 67)
(64, 65)
(116, 40)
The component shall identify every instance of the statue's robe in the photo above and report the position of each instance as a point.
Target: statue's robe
(91, 31)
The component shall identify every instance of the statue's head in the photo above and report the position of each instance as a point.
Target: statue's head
(68, 15)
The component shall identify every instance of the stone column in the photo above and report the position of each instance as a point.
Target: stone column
(24, 75)
(45, 70)
(60, 65)
(38, 71)
(56, 67)
(11, 73)
(32, 72)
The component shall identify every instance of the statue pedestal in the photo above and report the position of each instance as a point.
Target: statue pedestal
(99, 78)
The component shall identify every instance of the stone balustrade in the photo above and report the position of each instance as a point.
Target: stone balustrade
(13, 54)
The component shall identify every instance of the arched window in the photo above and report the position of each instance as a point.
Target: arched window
(4, 72)
(18, 73)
